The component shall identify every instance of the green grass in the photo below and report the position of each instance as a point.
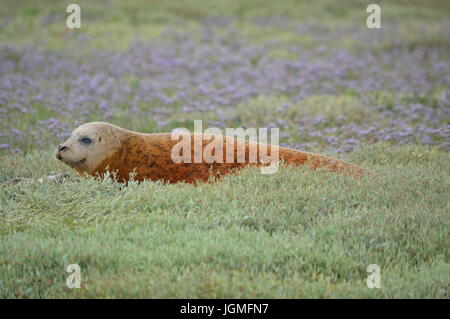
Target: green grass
(114, 24)
(294, 234)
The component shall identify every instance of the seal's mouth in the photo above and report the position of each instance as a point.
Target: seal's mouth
(74, 164)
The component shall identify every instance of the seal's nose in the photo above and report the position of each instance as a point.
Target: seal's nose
(62, 148)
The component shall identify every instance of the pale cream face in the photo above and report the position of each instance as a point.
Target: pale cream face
(89, 145)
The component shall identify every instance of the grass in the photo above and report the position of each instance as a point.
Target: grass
(295, 234)
(112, 24)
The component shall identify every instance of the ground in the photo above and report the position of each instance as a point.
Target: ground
(377, 98)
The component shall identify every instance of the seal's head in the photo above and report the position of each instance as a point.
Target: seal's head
(89, 145)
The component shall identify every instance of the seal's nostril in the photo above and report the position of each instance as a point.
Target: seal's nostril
(62, 148)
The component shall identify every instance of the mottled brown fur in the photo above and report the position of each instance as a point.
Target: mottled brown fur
(148, 156)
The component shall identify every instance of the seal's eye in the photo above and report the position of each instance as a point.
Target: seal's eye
(85, 140)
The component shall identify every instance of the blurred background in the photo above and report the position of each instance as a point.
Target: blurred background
(311, 68)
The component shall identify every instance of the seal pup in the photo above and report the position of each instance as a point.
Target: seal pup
(98, 147)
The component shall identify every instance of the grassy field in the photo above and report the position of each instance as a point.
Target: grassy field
(377, 98)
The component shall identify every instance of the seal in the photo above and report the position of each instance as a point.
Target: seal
(98, 147)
